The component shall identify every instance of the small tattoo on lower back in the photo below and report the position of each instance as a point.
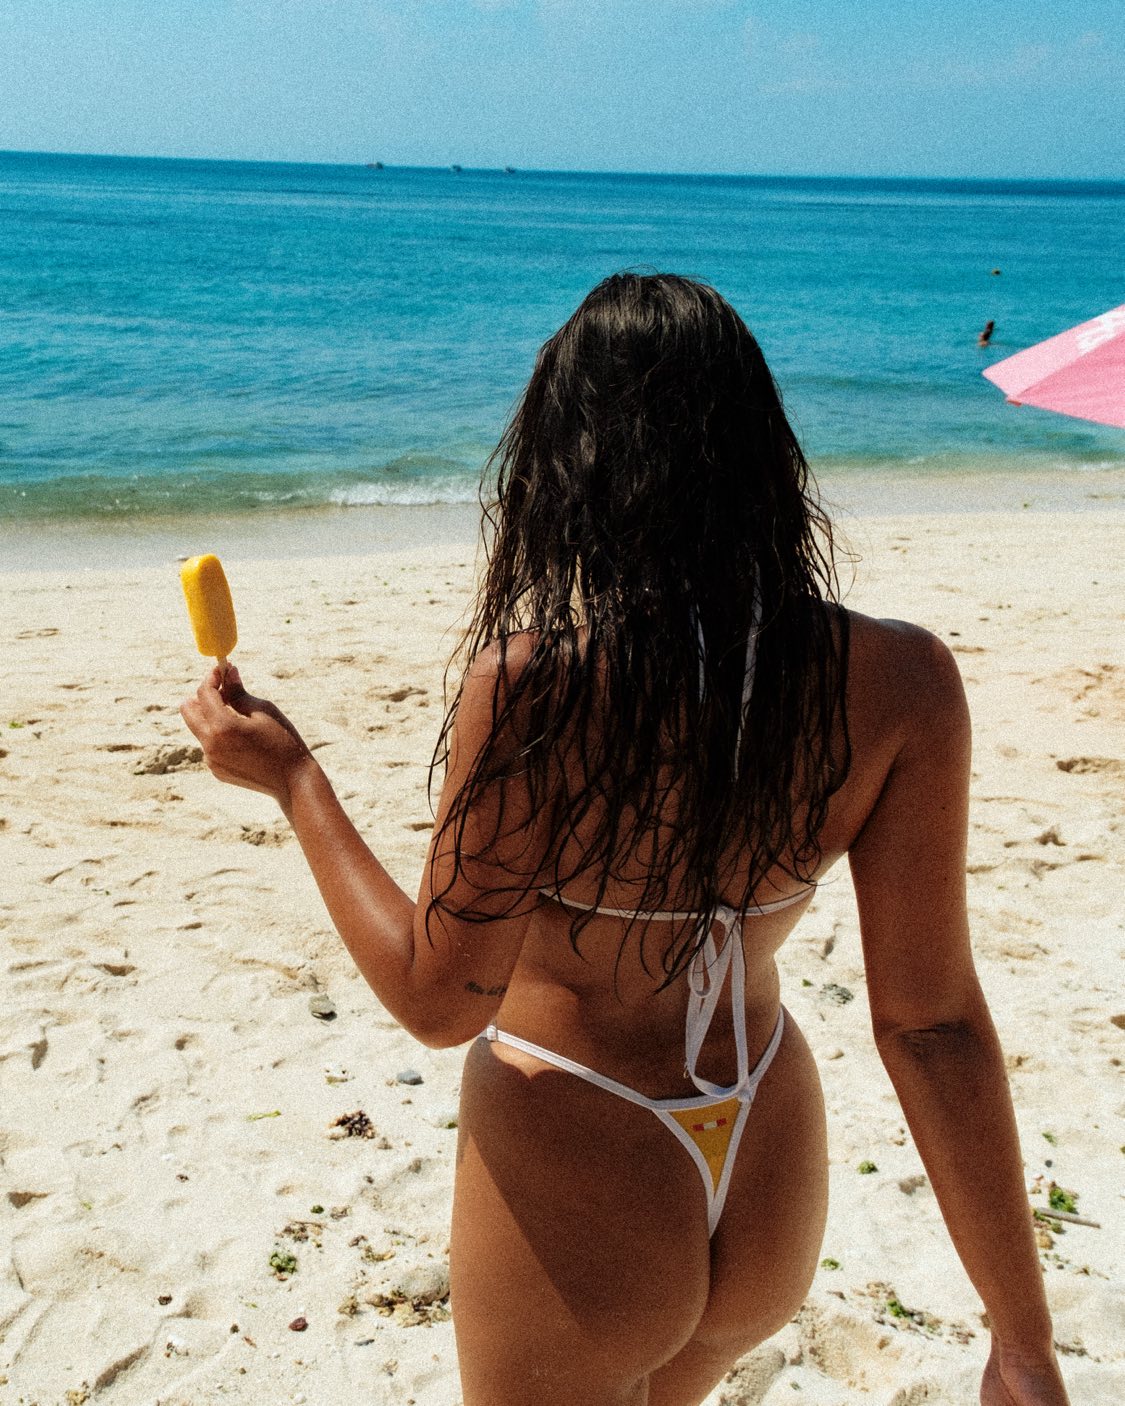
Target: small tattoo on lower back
(485, 990)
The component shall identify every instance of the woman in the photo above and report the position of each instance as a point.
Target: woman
(666, 733)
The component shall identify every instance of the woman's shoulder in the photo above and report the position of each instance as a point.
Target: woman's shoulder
(491, 680)
(899, 641)
(508, 658)
(903, 673)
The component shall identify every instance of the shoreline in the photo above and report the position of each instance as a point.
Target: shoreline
(90, 544)
(332, 531)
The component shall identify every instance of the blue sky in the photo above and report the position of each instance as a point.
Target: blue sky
(885, 87)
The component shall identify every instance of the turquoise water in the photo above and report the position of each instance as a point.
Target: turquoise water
(188, 337)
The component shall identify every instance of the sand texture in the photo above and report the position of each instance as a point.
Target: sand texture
(175, 1202)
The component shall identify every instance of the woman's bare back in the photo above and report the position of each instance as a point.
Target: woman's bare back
(603, 1005)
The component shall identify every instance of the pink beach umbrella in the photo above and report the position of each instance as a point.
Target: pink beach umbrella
(1080, 372)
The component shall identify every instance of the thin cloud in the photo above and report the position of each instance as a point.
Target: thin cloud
(789, 62)
(1024, 64)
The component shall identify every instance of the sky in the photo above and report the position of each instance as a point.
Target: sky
(820, 87)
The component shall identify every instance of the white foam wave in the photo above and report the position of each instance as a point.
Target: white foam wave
(414, 494)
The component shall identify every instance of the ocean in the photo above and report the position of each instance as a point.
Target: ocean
(183, 338)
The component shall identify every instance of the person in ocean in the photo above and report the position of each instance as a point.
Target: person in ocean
(665, 733)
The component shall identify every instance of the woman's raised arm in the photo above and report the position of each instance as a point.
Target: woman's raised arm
(932, 1025)
(444, 986)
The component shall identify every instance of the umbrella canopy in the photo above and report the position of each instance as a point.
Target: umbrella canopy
(1080, 372)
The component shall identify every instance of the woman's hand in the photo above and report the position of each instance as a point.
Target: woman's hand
(246, 741)
(1021, 1379)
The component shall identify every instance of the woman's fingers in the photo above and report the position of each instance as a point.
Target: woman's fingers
(246, 741)
(206, 713)
(192, 714)
(231, 689)
(219, 697)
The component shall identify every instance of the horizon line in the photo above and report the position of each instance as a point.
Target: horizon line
(459, 168)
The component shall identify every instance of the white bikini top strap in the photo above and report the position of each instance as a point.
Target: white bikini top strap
(778, 903)
(738, 1001)
(659, 916)
(751, 658)
(751, 662)
(707, 975)
(655, 915)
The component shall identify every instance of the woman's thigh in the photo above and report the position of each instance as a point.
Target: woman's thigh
(579, 1252)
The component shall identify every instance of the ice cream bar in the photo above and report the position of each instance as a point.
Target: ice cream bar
(209, 606)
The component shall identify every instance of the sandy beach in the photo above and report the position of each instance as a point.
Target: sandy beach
(193, 1210)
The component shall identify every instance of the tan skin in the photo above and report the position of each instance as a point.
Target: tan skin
(578, 1219)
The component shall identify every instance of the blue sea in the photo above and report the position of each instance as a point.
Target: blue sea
(192, 337)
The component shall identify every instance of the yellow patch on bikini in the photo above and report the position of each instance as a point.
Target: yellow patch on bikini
(710, 1128)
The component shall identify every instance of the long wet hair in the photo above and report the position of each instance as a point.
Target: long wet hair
(652, 511)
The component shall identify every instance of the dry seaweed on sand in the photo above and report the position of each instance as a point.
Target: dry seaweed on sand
(356, 1124)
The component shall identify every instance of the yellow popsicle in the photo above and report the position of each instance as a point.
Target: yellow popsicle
(209, 606)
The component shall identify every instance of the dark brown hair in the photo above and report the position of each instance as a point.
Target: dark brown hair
(647, 488)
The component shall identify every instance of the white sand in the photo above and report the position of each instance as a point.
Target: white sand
(166, 1094)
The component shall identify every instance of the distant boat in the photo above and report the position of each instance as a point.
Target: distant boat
(509, 170)
(375, 166)
(454, 167)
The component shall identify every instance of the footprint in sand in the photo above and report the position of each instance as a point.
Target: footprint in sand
(750, 1380)
(399, 695)
(115, 968)
(917, 1395)
(70, 868)
(265, 834)
(269, 835)
(19, 1199)
(845, 1346)
(109, 1374)
(159, 761)
(1092, 685)
(1081, 766)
